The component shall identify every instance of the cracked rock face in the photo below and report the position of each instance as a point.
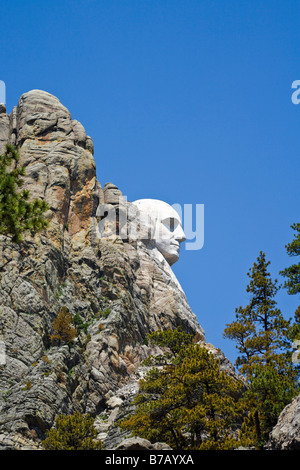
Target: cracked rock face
(55, 268)
(122, 288)
(285, 435)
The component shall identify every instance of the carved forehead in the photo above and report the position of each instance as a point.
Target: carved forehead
(157, 209)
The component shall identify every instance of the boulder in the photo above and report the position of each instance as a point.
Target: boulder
(138, 443)
(285, 435)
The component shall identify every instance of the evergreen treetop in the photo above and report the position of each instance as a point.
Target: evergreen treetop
(292, 273)
(185, 399)
(72, 432)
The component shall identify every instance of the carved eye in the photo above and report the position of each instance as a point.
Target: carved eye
(170, 223)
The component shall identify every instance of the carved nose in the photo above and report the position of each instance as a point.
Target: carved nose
(180, 235)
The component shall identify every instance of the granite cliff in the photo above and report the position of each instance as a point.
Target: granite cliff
(120, 286)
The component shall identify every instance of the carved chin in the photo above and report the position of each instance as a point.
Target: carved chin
(171, 257)
(170, 251)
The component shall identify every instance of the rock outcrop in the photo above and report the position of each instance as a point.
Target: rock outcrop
(119, 285)
(286, 434)
(4, 127)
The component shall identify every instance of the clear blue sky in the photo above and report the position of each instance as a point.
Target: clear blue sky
(188, 101)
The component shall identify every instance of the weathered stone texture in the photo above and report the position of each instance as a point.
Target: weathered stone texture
(121, 287)
(286, 434)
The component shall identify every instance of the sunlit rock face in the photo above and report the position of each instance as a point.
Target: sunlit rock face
(285, 434)
(98, 258)
(57, 267)
(59, 161)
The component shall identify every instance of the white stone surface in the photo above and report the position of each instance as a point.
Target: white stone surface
(165, 225)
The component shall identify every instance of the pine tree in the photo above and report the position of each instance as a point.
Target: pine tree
(72, 432)
(262, 337)
(64, 332)
(17, 213)
(185, 399)
(295, 328)
(292, 273)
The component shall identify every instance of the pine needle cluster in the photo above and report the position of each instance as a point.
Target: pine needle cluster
(64, 331)
(72, 432)
(17, 213)
(185, 399)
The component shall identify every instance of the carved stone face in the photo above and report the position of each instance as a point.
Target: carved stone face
(166, 227)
